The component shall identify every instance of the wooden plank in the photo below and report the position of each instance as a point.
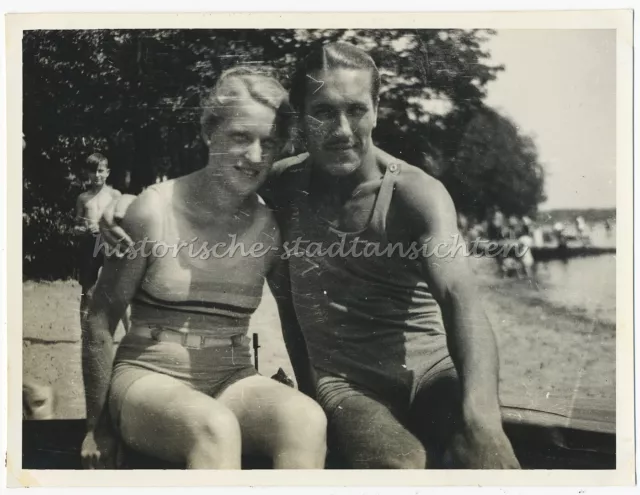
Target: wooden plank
(588, 420)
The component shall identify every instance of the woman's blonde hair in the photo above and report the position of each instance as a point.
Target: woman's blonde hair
(240, 83)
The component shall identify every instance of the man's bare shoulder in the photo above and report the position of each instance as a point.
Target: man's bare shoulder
(114, 193)
(413, 186)
(85, 196)
(415, 182)
(420, 200)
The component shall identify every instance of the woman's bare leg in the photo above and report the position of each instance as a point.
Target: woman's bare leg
(279, 422)
(162, 417)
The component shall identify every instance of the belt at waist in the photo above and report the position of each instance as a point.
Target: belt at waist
(188, 339)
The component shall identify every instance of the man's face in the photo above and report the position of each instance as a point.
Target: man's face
(99, 176)
(339, 116)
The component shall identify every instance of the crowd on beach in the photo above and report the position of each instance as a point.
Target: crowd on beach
(521, 234)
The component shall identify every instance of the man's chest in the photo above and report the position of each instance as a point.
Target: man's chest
(352, 215)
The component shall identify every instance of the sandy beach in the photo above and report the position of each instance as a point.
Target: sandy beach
(551, 358)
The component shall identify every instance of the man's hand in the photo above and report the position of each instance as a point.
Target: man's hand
(101, 450)
(112, 233)
(482, 448)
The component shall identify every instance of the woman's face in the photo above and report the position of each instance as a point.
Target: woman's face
(244, 145)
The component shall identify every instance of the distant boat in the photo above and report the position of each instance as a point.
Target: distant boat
(548, 251)
(544, 253)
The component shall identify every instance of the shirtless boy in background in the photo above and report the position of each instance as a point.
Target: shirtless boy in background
(89, 208)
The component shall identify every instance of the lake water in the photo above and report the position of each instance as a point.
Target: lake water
(580, 286)
(583, 285)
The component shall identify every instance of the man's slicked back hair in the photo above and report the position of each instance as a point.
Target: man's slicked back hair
(338, 55)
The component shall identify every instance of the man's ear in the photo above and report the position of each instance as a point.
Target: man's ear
(299, 129)
(375, 112)
(206, 131)
(205, 138)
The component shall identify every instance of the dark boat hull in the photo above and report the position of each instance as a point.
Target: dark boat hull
(541, 253)
(555, 253)
(541, 440)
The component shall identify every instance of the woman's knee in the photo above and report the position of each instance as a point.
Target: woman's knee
(215, 441)
(302, 421)
(216, 426)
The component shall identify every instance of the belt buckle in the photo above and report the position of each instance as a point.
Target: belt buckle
(186, 343)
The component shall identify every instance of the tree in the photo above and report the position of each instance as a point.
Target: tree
(135, 96)
(495, 166)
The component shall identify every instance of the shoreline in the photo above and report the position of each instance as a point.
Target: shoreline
(551, 357)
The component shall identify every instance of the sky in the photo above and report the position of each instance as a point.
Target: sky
(559, 87)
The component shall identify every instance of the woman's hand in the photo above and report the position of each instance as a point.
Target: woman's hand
(101, 449)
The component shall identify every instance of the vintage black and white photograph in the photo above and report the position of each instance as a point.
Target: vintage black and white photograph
(320, 249)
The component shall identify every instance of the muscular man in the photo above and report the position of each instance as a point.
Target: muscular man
(379, 314)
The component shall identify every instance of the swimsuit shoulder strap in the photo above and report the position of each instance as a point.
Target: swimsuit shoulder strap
(383, 201)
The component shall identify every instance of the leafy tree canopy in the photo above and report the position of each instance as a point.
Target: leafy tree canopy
(135, 96)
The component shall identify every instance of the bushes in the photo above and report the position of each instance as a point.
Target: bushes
(50, 248)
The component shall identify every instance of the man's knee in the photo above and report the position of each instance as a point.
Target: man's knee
(414, 457)
(409, 455)
(366, 435)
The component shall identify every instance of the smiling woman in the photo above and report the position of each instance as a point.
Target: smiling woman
(183, 387)
(246, 100)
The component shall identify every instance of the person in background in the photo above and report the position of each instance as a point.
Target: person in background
(525, 243)
(38, 401)
(582, 230)
(89, 208)
(496, 229)
(463, 225)
(608, 225)
(514, 227)
(559, 232)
